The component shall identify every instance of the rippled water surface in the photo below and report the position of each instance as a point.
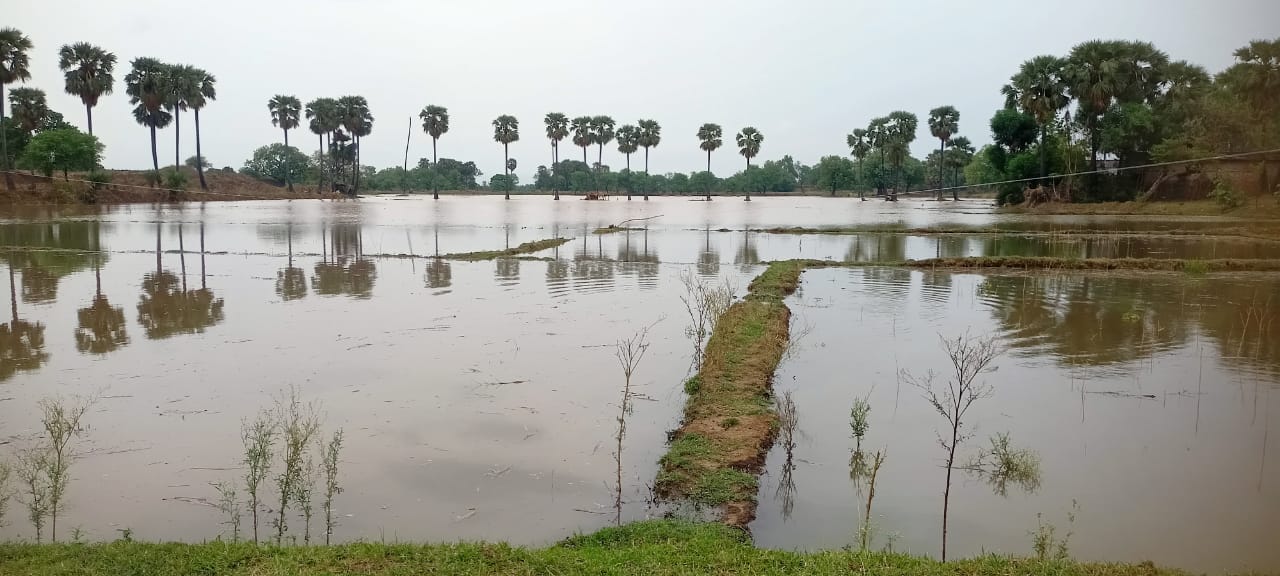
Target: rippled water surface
(479, 398)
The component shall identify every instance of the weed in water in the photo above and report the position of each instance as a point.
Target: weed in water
(329, 461)
(865, 533)
(5, 472)
(258, 438)
(858, 420)
(1044, 539)
(34, 495)
(229, 506)
(629, 352)
(1002, 464)
(62, 424)
(302, 495)
(970, 356)
(298, 424)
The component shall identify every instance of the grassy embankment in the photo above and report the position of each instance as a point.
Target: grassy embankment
(526, 248)
(1050, 263)
(651, 548)
(729, 421)
(1255, 207)
(1263, 230)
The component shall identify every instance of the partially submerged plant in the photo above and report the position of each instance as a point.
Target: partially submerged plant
(970, 356)
(5, 472)
(1002, 464)
(866, 531)
(302, 493)
(229, 505)
(298, 424)
(705, 302)
(858, 420)
(329, 461)
(34, 494)
(62, 424)
(258, 438)
(1044, 539)
(629, 353)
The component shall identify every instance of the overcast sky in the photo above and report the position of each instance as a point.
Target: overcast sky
(803, 72)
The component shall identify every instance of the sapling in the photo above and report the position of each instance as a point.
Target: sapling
(62, 424)
(298, 424)
(34, 495)
(970, 356)
(302, 493)
(629, 353)
(229, 505)
(705, 303)
(864, 534)
(329, 462)
(258, 438)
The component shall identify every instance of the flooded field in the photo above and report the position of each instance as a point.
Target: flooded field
(479, 398)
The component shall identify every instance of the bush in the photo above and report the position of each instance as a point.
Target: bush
(1226, 198)
(175, 180)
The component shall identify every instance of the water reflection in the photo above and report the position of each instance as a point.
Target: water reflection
(635, 257)
(102, 327)
(167, 308)
(291, 282)
(21, 342)
(708, 257)
(343, 269)
(747, 255)
(46, 253)
(877, 248)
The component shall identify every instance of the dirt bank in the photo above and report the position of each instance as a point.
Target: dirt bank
(130, 186)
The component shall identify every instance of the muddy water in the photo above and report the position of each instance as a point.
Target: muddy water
(478, 398)
(1151, 401)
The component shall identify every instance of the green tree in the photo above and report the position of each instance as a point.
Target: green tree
(628, 141)
(89, 74)
(859, 147)
(29, 107)
(650, 137)
(146, 85)
(197, 161)
(1040, 91)
(958, 155)
(180, 87)
(66, 149)
(878, 138)
(435, 122)
(601, 134)
(276, 163)
(704, 182)
(944, 122)
(323, 119)
(749, 140)
(14, 67)
(506, 129)
(1093, 76)
(1255, 77)
(355, 116)
(203, 91)
(835, 173)
(286, 114)
(583, 137)
(557, 130)
(709, 139)
(900, 132)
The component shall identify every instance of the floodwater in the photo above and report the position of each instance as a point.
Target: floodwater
(479, 399)
(1150, 400)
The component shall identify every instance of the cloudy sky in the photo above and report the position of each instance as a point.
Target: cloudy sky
(804, 72)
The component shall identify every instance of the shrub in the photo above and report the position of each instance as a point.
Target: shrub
(1226, 198)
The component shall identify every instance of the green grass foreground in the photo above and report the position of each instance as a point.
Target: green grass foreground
(650, 548)
(526, 248)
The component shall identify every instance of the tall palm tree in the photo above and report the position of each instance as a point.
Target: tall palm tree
(749, 140)
(582, 135)
(506, 129)
(146, 84)
(14, 64)
(1256, 74)
(354, 115)
(286, 114)
(435, 122)
(205, 91)
(900, 132)
(877, 137)
(557, 130)
(628, 143)
(1040, 90)
(959, 153)
(650, 137)
(1092, 74)
(29, 107)
(322, 120)
(859, 147)
(89, 74)
(180, 84)
(709, 138)
(601, 134)
(944, 121)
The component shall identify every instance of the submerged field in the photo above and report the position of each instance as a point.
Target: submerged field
(469, 357)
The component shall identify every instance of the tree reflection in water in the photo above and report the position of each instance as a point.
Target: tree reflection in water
(343, 269)
(102, 327)
(291, 282)
(166, 308)
(21, 342)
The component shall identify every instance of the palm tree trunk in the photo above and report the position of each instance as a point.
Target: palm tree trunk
(646, 160)
(155, 160)
(288, 179)
(555, 160)
(1044, 130)
(355, 186)
(88, 112)
(748, 190)
(199, 154)
(708, 160)
(435, 171)
(506, 159)
(320, 175)
(177, 138)
(4, 154)
(628, 161)
(941, 150)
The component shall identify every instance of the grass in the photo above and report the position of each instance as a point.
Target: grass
(1049, 263)
(610, 229)
(1242, 231)
(711, 463)
(526, 248)
(658, 547)
(1256, 209)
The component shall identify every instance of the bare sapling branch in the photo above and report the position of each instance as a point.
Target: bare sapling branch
(629, 353)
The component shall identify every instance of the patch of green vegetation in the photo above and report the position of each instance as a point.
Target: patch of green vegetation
(729, 422)
(692, 385)
(723, 486)
(1050, 263)
(526, 248)
(611, 229)
(1195, 268)
(656, 547)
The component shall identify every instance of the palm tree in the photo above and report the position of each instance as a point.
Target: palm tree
(180, 85)
(322, 120)
(650, 137)
(877, 137)
(628, 143)
(959, 154)
(354, 115)
(88, 71)
(1039, 90)
(435, 122)
(14, 63)
(557, 130)
(900, 132)
(1256, 74)
(859, 147)
(601, 134)
(944, 121)
(1092, 75)
(506, 129)
(749, 140)
(204, 92)
(29, 108)
(145, 84)
(709, 136)
(286, 113)
(583, 137)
